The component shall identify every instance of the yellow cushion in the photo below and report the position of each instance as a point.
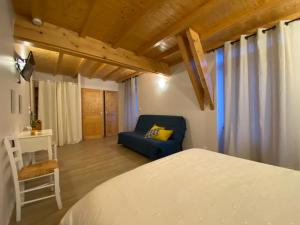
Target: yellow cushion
(163, 135)
(157, 127)
(153, 131)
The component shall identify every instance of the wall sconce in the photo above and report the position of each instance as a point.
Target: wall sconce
(162, 82)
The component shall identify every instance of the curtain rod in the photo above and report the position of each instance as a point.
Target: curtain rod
(254, 34)
(128, 79)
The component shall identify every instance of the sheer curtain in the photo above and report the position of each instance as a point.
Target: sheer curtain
(131, 104)
(60, 110)
(262, 90)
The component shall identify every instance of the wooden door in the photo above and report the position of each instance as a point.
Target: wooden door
(111, 113)
(92, 114)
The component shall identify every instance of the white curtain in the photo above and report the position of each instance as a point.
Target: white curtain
(130, 104)
(59, 110)
(262, 91)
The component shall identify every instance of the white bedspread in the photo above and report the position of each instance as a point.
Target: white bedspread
(194, 187)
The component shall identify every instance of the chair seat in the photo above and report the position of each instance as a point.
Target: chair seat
(37, 169)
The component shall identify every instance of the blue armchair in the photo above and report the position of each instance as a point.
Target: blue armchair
(155, 149)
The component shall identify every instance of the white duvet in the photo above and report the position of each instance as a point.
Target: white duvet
(194, 187)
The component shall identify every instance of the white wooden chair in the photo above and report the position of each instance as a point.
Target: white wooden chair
(22, 173)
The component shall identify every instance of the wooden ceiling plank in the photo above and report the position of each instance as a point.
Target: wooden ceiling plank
(59, 63)
(83, 63)
(77, 68)
(177, 61)
(214, 37)
(134, 22)
(259, 13)
(173, 29)
(169, 52)
(193, 74)
(100, 67)
(93, 69)
(53, 37)
(36, 9)
(89, 19)
(201, 64)
(107, 76)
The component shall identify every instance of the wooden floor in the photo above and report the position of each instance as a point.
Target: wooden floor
(83, 166)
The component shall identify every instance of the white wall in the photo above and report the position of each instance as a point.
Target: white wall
(99, 84)
(47, 76)
(85, 82)
(174, 95)
(9, 123)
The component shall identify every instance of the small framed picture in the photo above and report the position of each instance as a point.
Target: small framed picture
(12, 101)
(20, 104)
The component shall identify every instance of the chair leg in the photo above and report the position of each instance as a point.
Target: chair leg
(22, 188)
(57, 189)
(33, 160)
(18, 205)
(51, 180)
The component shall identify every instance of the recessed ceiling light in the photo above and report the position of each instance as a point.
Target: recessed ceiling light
(37, 21)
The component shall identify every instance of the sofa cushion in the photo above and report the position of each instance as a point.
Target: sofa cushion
(151, 148)
(163, 135)
(153, 131)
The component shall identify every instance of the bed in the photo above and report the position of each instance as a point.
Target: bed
(194, 187)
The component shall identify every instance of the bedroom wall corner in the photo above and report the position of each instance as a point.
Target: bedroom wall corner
(10, 123)
(174, 95)
(121, 107)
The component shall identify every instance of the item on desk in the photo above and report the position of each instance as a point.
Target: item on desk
(34, 132)
(39, 125)
(36, 125)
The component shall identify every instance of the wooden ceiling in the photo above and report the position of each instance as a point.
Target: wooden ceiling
(141, 30)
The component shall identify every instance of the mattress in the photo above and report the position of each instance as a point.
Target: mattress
(194, 187)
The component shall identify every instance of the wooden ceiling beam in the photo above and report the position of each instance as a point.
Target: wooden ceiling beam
(190, 67)
(53, 37)
(201, 65)
(59, 63)
(174, 29)
(107, 76)
(134, 22)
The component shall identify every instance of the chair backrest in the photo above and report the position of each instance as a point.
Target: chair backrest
(13, 148)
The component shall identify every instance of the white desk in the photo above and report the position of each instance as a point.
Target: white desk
(42, 140)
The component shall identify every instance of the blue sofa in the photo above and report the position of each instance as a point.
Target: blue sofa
(151, 148)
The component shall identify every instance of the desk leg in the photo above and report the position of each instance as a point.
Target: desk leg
(50, 148)
(33, 160)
